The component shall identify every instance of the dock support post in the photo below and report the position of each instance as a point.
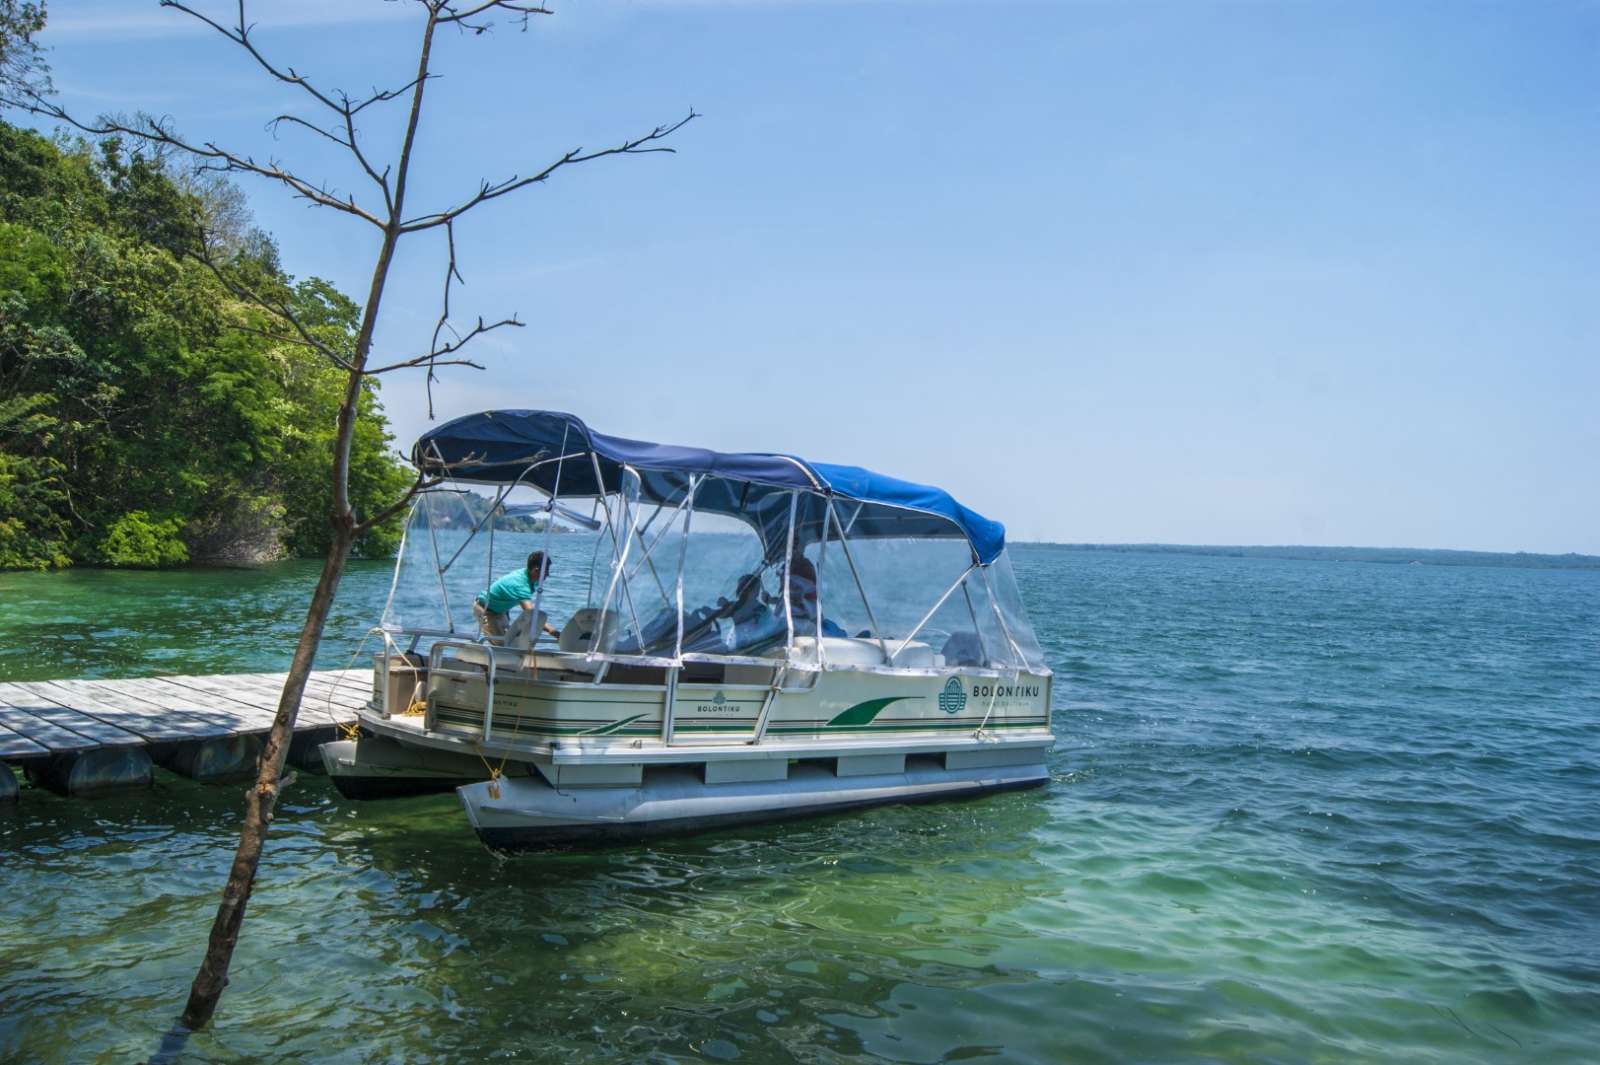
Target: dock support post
(214, 759)
(305, 750)
(221, 758)
(8, 783)
(95, 772)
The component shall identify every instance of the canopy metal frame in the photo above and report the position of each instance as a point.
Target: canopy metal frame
(633, 551)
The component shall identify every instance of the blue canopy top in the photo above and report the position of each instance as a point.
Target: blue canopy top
(558, 453)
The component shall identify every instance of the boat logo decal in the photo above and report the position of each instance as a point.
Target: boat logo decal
(719, 704)
(861, 714)
(953, 699)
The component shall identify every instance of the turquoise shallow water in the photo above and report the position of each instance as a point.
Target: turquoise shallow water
(1302, 812)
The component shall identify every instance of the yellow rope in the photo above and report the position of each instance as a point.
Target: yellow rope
(349, 730)
(496, 772)
(417, 706)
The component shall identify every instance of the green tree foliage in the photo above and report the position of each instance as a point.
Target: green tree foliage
(135, 539)
(147, 417)
(22, 66)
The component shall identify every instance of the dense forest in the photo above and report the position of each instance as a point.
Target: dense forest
(147, 417)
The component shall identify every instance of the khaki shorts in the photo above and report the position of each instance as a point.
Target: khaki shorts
(490, 624)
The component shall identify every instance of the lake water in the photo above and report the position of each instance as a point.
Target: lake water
(1301, 812)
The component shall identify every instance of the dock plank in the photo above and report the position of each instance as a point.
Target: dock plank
(216, 714)
(346, 698)
(87, 726)
(15, 745)
(262, 695)
(106, 701)
(352, 688)
(328, 690)
(260, 701)
(54, 738)
(221, 698)
(39, 718)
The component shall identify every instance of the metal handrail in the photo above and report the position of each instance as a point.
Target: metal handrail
(434, 658)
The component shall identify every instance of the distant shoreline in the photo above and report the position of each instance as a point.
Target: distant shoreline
(1394, 556)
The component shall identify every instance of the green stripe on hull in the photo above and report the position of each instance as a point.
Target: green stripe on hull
(861, 714)
(905, 726)
(616, 726)
(858, 719)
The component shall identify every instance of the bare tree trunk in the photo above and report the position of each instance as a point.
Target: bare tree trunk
(262, 797)
(470, 17)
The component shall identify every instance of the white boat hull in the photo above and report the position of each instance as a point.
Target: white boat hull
(377, 767)
(526, 812)
(582, 758)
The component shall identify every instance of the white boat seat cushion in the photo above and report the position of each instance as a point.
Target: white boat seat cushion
(861, 651)
(579, 632)
(524, 627)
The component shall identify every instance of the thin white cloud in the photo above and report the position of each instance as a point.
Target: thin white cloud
(775, 3)
(150, 20)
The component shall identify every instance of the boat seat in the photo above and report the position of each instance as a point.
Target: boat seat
(524, 627)
(914, 654)
(861, 651)
(579, 632)
(964, 649)
(505, 658)
(742, 674)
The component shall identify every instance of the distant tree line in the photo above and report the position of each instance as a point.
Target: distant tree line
(455, 509)
(146, 416)
(1421, 556)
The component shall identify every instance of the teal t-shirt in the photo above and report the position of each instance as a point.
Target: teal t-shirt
(507, 592)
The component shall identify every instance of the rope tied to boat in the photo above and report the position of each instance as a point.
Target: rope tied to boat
(350, 730)
(495, 772)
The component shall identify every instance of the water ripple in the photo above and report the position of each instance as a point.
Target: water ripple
(1299, 811)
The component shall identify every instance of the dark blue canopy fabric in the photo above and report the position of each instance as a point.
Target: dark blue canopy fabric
(502, 447)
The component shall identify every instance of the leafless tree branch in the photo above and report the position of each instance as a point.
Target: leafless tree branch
(279, 309)
(211, 158)
(296, 120)
(337, 100)
(449, 14)
(451, 274)
(240, 35)
(378, 96)
(488, 191)
(393, 224)
(347, 141)
(439, 354)
(421, 484)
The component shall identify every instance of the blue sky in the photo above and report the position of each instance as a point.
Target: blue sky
(1206, 273)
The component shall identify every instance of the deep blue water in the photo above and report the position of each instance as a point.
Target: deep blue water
(1302, 811)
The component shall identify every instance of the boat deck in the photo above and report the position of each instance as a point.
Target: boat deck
(200, 726)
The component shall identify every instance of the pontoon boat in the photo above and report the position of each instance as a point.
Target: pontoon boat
(743, 637)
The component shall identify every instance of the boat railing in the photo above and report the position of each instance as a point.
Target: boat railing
(436, 669)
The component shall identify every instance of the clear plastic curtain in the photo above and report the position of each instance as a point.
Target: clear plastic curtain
(733, 580)
(449, 529)
(746, 584)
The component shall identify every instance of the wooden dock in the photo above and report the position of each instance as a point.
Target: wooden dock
(84, 736)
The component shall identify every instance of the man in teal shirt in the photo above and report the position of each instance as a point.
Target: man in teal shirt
(493, 605)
